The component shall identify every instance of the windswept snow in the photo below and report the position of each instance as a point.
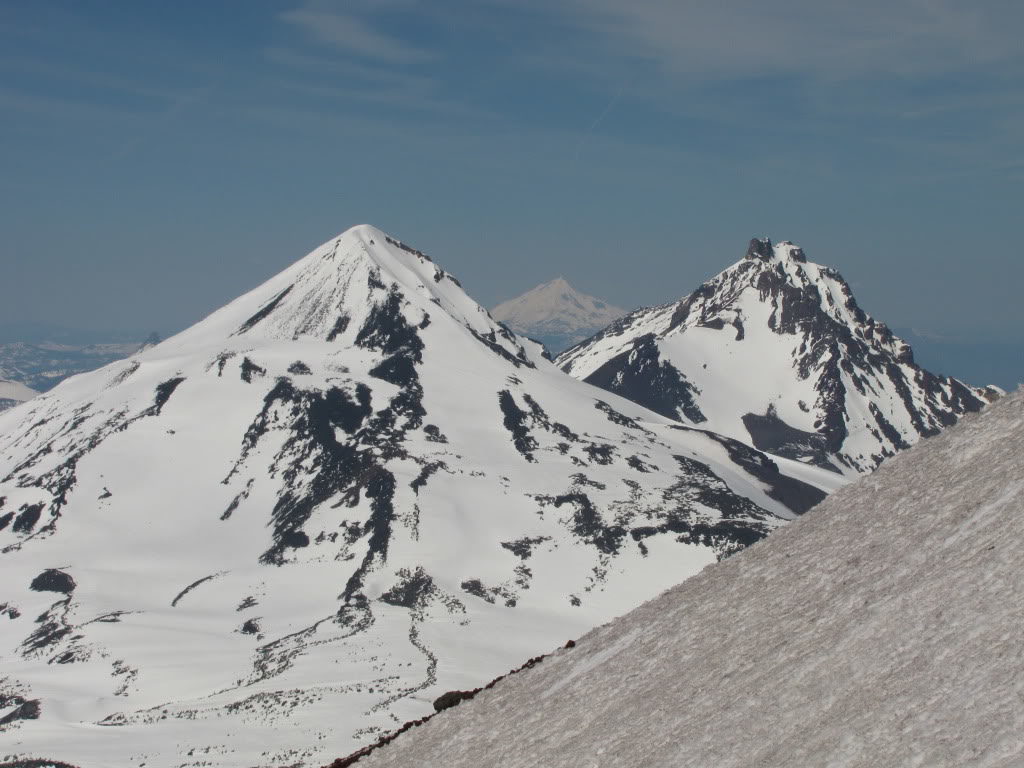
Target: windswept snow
(882, 629)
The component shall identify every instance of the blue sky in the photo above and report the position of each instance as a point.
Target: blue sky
(160, 158)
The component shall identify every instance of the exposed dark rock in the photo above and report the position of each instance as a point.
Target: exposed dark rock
(600, 453)
(340, 326)
(588, 525)
(515, 422)
(27, 517)
(250, 369)
(476, 588)
(639, 464)
(28, 710)
(387, 330)
(247, 603)
(428, 469)
(192, 586)
(759, 248)
(265, 311)
(250, 627)
(771, 434)
(163, 394)
(523, 548)
(640, 375)
(53, 627)
(53, 580)
(434, 434)
(490, 340)
(452, 698)
(413, 589)
(795, 495)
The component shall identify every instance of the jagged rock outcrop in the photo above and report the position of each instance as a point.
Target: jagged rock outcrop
(776, 352)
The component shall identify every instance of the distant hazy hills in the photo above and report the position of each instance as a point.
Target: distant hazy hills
(37, 363)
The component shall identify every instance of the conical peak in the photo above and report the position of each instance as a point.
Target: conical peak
(558, 285)
(328, 293)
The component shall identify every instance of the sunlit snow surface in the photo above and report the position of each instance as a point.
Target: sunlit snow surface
(775, 352)
(289, 528)
(882, 629)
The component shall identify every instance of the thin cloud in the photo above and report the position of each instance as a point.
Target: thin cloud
(352, 34)
(751, 38)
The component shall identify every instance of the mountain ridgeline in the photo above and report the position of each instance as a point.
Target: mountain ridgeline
(775, 352)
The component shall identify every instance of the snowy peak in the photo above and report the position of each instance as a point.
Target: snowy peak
(362, 287)
(294, 525)
(556, 314)
(804, 297)
(775, 351)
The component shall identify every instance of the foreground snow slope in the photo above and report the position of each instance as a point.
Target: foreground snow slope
(775, 351)
(881, 629)
(294, 525)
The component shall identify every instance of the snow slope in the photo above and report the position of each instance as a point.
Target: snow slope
(556, 314)
(775, 351)
(289, 528)
(882, 629)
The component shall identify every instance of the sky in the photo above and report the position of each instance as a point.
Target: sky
(158, 159)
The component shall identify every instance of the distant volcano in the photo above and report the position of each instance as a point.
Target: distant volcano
(556, 314)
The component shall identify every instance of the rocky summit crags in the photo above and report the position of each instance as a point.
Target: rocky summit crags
(775, 351)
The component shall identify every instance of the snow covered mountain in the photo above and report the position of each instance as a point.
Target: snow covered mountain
(280, 533)
(881, 629)
(556, 314)
(775, 352)
(14, 393)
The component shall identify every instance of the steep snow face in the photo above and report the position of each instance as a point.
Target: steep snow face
(291, 527)
(775, 352)
(556, 314)
(881, 629)
(13, 393)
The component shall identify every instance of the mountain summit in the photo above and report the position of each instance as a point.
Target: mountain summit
(556, 314)
(775, 351)
(293, 526)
